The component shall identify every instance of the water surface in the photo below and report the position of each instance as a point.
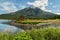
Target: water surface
(8, 28)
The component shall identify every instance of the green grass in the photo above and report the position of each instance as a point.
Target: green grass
(29, 22)
(34, 34)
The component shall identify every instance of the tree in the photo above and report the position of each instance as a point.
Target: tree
(22, 17)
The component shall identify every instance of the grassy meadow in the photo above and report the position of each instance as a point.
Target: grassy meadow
(32, 21)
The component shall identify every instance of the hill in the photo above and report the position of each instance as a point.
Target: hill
(30, 13)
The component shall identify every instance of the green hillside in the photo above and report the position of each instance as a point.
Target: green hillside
(30, 13)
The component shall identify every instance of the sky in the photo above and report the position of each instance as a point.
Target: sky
(7, 6)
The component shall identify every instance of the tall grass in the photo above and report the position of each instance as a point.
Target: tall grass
(34, 34)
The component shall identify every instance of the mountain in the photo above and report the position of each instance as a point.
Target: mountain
(31, 13)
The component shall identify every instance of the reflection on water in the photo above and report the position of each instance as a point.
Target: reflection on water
(4, 20)
(8, 28)
(42, 25)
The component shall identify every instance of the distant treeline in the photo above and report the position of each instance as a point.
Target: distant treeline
(13, 17)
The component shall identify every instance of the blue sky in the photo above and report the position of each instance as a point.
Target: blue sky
(7, 6)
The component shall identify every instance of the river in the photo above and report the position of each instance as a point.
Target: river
(8, 28)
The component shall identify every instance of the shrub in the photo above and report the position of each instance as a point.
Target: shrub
(22, 36)
(45, 34)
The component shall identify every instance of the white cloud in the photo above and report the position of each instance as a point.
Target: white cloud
(39, 3)
(49, 10)
(8, 6)
(21, 6)
(57, 13)
(42, 4)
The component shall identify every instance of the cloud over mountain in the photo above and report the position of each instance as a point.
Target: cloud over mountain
(42, 4)
(39, 3)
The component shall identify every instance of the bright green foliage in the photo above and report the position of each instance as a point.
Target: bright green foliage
(34, 34)
(4, 36)
(45, 34)
(22, 36)
(29, 22)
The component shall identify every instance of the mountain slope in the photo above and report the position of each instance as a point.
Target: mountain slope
(30, 13)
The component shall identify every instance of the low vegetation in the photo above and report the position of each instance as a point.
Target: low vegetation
(30, 21)
(34, 34)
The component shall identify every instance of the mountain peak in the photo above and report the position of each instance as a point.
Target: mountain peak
(31, 9)
(31, 12)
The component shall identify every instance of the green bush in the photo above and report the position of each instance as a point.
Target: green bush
(34, 34)
(22, 36)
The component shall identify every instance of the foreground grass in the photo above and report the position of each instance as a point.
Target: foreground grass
(34, 34)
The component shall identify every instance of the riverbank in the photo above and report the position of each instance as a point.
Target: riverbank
(24, 26)
(43, 23)
(39, 25)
